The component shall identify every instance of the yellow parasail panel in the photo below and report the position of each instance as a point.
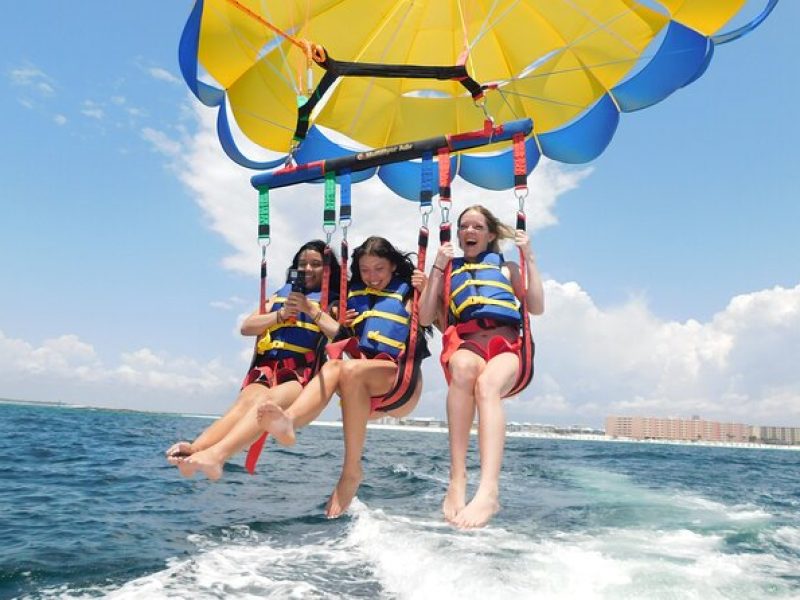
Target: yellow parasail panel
(705, 16)
(550, 60)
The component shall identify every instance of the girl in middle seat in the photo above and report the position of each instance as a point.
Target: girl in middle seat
(377, 325)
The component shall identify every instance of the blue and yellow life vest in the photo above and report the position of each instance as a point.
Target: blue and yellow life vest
(303, 338)
(479, 290)
(382, 324)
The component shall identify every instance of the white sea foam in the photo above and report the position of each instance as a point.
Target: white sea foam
(416, 560)
(246, 566)
(788, 537)
(393, 556)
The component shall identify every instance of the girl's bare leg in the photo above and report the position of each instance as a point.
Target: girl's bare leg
(250, 396)
(496, 379)
(242, 434)
(360, 379)
(465, 366)
(309, 404)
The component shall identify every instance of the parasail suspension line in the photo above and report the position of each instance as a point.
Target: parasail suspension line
(329, 211)
(345, 220)
(263, 239)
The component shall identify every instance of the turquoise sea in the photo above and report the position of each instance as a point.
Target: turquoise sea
(89, 508)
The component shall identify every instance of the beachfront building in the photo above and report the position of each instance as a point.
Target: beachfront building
(423, 422)
(777, 435)
(694, 429)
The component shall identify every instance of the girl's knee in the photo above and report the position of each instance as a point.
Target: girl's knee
(463, 372)
(487, 390)
(351, 373)
(331, 366)
(251, 396)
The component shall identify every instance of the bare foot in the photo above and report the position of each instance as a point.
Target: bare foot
(177, 451)
(274, 420)
(479, 511)
(455, 499)
(342, 495)
(203, 461)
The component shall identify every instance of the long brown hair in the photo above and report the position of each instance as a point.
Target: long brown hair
(495, 226)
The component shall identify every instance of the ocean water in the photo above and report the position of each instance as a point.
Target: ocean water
(89, 508)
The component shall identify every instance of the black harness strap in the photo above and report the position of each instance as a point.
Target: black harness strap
(335, 69)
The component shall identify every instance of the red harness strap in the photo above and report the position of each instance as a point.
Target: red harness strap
(257, 447)
(254, 452)
(525, 373)
(408, 364)
(526, 346)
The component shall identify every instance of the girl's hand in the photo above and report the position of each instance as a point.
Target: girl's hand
(419, 280)
(349, 317)
(523, 242)
(295, 304)
(444, 255)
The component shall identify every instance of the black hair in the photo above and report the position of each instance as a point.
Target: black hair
(318, 246)
(382, 248)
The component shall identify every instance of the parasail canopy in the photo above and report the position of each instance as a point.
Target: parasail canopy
(572, 66)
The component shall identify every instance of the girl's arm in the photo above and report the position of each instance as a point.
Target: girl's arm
(430, 301)
(297, 302)
(535, 290)
(257, 323)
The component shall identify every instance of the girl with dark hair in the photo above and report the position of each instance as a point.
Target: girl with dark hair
(376, 333)
(292, 333)
(481, 349)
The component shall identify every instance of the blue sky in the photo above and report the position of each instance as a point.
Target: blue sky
(671, 262)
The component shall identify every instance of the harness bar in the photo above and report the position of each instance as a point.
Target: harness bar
(361, 161)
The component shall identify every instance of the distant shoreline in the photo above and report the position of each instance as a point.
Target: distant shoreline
(578, 437)
(587, 437)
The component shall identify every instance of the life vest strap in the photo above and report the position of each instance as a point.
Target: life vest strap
(380, 314)
(298, 324)
(376, 336)
(282, 345)
(473, 300)
(368, 291)
(481, 283)
(474, 267)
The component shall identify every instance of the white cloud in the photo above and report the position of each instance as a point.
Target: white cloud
(230, 303)
(64, 367)
(163, 75)
(60, 119)
(92, 110)
(32, 78)
(590, 361)
(162, 142)
(223, 191)
(739, 366)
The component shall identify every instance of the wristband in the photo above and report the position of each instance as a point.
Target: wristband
(438, 268)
